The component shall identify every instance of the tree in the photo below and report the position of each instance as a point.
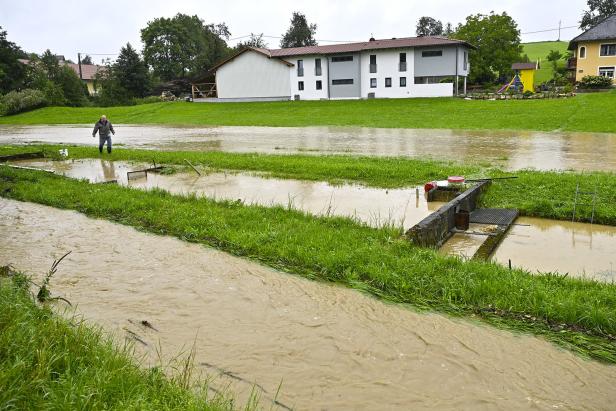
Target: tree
(448, 31)
(12, 72)
(86, 60)
(183, 45)
(554, 56)
(497, 39)
(597, 11)
(132, 72)
(427, 26)
(255, 40)
(300, 33)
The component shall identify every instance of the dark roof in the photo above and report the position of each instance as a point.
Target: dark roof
(605, 30)
(525, 66)
(265, 52)
(404, 42)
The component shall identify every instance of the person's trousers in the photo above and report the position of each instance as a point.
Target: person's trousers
(101, 143)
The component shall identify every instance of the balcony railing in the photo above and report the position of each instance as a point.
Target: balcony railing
(372, 68)
(300, 72)
(402, 66)
(572, 63)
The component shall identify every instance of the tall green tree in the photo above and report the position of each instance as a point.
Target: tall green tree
(597, 11)
(131, 72)
(428, 26)
(497, 39)
(86, 59)
(183, 45)
(12, 72)
(255, 40)
(300, 33)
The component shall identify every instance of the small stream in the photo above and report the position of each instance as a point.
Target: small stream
(330, 347)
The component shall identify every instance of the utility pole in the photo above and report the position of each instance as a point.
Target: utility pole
(560, 22)
(79, 64)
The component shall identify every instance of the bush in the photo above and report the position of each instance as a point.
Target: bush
(147, 100)
(595, 82)
(20, 101)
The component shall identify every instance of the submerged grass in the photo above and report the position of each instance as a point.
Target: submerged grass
(548, 194)
(589, 112)
(49, 363)
(575, 313)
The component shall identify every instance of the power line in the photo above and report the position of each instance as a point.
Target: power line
(548, 30)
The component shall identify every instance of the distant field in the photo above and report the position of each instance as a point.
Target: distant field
(539, 52)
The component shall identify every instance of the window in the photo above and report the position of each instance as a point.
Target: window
(608, 50)
(582, 52)
(342, 82)
(432, 53)
(373, 63)
(319, 85)
(300, 85)
(387, 81)
(606, 72)
(372, 83)
(300, 68)
(465, 60)
(402, 81)
(402, 65)
(317, 67)
(340, 59)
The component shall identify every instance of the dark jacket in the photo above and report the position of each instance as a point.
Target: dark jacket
(103, 128)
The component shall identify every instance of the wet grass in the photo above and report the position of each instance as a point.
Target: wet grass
(577, 314)
(590, 112)
(534, 193)
(50, 363)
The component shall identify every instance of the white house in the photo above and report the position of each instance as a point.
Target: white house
(393, 68)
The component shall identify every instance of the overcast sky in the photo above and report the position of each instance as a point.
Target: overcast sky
(69, 26)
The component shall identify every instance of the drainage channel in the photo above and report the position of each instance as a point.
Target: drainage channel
(253, 327)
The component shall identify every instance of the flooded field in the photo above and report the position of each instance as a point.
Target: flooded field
(507, 149)
(331, 347)
(399, 207)
(541, 245)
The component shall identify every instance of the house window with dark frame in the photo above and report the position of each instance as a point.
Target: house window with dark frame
(432, 53)
(582, 52)
(319, 85)
(342, 82)
(373, 63)
(300, 85)
(317, 67)
(608, 50)
(300, 68)
(402, 81)
(387, 81)
(607, 71)
(340, 59)
(373, 82)
(402, 64)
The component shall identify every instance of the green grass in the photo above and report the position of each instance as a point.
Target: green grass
(50, 363)
(534, 193)
(591, 112)
(577, 314)
(539, 52)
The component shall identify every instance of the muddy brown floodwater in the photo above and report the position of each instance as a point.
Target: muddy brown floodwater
(376, 207)
(331, 347)
(507, 149)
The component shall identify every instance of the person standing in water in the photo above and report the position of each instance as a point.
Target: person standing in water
(103, 127)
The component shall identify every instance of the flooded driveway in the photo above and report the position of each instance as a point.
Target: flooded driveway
(331, 347)
(506, 149)
(373, 206)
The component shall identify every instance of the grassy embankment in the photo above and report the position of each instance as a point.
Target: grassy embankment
(592, 112)
(50, 363)
(579, 315)
(534, 193)
(539, 51)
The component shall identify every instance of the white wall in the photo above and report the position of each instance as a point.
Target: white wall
(387, 66)
(432, 90)
(310, 91)
(253, 75)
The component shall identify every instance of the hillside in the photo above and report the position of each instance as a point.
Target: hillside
(539, 51)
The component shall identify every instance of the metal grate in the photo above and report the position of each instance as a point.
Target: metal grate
(496, 216)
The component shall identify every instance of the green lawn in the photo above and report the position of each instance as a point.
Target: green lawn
(51, 363)
(577, 314)
(590, 112)
(539, 52)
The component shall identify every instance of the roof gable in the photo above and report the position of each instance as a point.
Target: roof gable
(606, 30)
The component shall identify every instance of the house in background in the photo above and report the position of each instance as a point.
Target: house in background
(392, 68)
(87, 72)
(594, 51)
